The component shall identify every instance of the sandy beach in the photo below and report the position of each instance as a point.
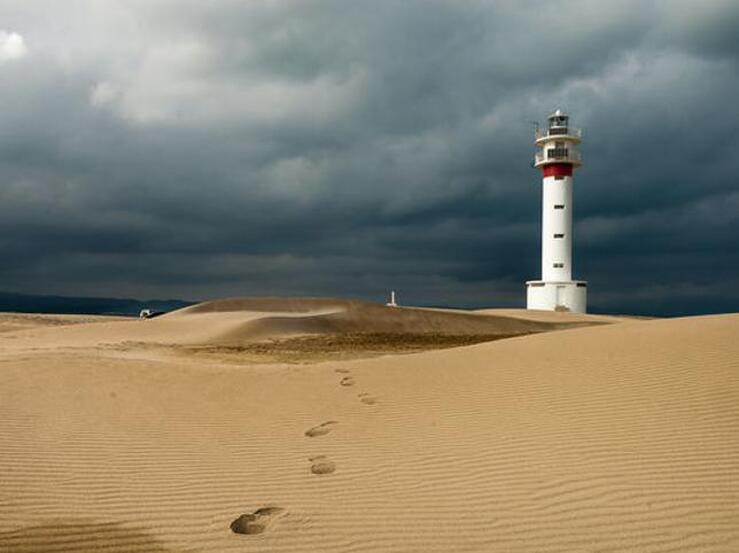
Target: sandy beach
(555, 433)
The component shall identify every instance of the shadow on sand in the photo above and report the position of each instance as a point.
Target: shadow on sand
(80, 536)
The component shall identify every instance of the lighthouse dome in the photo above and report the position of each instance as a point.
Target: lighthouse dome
(558, 119)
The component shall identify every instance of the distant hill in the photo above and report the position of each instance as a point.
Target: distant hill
(23, 303)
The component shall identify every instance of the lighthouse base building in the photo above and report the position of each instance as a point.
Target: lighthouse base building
(557, 296)
(557, 159)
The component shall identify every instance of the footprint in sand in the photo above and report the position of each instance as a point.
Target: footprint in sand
(343, 371)
(368, 399)
(321, 465)
(320, 430)
(347, 381)
(258, 521)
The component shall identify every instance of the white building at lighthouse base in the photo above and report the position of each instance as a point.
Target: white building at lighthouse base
(571, 295)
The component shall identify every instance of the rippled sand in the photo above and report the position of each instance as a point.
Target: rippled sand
(612, 438)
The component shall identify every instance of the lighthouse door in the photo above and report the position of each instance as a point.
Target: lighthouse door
(560, 297)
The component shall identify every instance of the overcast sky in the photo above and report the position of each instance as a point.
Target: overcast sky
(198, 149)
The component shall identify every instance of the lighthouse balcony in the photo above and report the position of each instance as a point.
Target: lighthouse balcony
(560, 133)
(557, 155)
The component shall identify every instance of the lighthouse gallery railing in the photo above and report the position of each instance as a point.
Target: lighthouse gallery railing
(558, 131)
(558, 154)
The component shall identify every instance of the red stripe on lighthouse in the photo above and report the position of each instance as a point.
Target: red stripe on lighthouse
(557, 170)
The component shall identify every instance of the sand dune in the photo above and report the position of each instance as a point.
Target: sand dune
(557, 316)
(220, 326)
(270, 305)
(361, 317)
(612, 438)
(292, 316)
(13, 322)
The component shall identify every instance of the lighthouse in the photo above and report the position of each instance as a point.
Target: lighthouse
(557, 158)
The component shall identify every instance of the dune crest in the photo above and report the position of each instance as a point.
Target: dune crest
(289, 329)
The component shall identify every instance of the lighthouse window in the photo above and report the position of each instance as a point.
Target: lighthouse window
(559, 265)
(558, 177)
(559, 235)
(559, 206)
(557, 153)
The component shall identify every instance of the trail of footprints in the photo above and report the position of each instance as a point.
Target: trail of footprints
(320, 464)
(348, 380)
(259, 521)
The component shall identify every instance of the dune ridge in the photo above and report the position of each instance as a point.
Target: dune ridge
(336, 316)
(216, 326)
(613, 438)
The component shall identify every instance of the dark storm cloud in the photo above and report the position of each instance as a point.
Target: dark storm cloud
(344, 148)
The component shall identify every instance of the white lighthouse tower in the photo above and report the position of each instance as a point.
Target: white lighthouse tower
(557, 158)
